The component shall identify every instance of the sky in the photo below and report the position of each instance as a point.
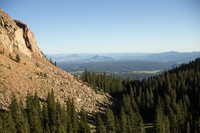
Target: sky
(110, 26)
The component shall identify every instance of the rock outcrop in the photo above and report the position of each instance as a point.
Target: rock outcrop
(16, 35)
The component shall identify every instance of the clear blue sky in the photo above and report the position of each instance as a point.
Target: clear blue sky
(89, 26)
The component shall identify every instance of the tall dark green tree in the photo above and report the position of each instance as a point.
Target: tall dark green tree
(8, 125)
(84, 127)
(52, 111)
(110, 121)
(123, 126)
(100, 127)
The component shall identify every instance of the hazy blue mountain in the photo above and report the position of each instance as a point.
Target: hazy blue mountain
(136, 65)
(171, 56)
(98, 58)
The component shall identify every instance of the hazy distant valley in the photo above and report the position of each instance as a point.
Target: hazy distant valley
(134, 65)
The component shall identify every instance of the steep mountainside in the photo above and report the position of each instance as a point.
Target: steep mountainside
(35, 73)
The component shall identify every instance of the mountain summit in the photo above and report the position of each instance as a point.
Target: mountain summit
(24, 70)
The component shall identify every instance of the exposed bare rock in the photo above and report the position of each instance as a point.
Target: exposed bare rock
(16, 35)
(28, 36)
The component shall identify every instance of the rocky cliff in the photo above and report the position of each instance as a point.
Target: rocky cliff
(16, 35)
(35, 74)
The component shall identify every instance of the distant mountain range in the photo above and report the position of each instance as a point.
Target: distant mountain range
(172, 56)
(101, 58)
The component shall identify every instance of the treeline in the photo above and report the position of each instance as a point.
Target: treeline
(171, 101)
(99, 81)
(51, 117)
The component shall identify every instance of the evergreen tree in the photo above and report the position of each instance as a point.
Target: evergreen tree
(70, 129)
(110, 121)
(74, 119)
(159, 121)
(8, 125)
(123, 122)
(128, 125)
(84, 127)
(117, 125)
(45, 118)
(100, 128)
(18, 58)
(50, 61)
(52, 111)
(16, 114)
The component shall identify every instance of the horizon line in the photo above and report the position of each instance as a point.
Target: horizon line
(124, 52)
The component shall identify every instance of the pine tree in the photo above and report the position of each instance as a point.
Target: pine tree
(16, 113)
(24, 120)
(8, 125)
(100, 128)
(159, 121)
(128, 125)
(123, 121)
(37, 105)
(74, 117)
(37, 125)
(84, 127)
(63, 117)
(45, 118)
(110, 121)
(50, 61)
(126, 103)
(18, 58)
(52, 110)
(133, 120)
(29, 107)
(70, 129)
(117, 125)
(59, 127)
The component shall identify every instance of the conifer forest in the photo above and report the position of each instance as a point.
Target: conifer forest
(168, 103)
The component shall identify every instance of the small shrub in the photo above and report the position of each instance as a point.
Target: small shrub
(2, 92)
(2, 52)
(45, 75)
(10, 56)
(41, 74)
(15, 29)
(18, 58)
(37, 65)
(9, 67)
(24, 63)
